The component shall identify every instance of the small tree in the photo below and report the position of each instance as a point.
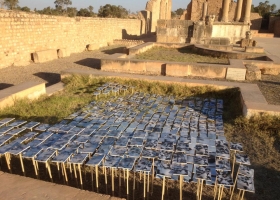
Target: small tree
(179, 11)
(62, 3)
(90, 8)
(264, 8)
(11, 4)
(83, 12)
(71, 11)
(25, 9)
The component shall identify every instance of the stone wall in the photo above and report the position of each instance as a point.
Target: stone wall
(272, 20)
(234, 31)
(256, 21)
(277, 28)
(195, 9)
(174, 31)
(24, 33)
(159, 9)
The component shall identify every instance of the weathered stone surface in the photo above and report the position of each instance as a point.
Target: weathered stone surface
(254, 49)
(44, 56)
(30, 90)
(35, 32)
(92, 47)
(237, 74)
(160, 9)
(253, 73)
(248, 43)
(62, 53)
(270, 71)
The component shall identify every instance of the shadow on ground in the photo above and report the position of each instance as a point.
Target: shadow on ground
(50, 78)
(90, 62)
(115, 50)
(5, 85)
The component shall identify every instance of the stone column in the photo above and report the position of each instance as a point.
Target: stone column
(225, 10)
(238, 10)
(205, 8)
(247, 16)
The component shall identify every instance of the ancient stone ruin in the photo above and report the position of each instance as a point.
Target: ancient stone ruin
(205, 20)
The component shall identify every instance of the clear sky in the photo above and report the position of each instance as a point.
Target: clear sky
(132, 5)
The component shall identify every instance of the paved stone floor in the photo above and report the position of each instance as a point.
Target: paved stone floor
(271, 46)
(19, 187)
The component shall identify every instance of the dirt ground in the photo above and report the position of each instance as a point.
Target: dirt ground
(49, 72)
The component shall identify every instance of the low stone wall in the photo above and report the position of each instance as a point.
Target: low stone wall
(30, 90)
(234, 31)
(134, 66)
(192, 69)
(202, 49)
(127, 42)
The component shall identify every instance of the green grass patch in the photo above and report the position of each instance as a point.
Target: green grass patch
(184, 54)
(78, 93)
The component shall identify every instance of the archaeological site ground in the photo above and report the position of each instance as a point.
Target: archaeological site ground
(148, 108)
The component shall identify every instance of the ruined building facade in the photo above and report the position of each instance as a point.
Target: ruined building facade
(155, 10)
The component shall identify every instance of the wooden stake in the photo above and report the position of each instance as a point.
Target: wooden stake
(106, 176)
(148, 182)
(239, 194)
(65, 173)
(163, 188)
(113, 181)
(181, 187)
(233, 187)
(134, 180)
(198, 188)
(49, 169)
(127, 186)
(233, 163)
(35, 168)
(96, 176)
(201, 187)
(80, 171)
(8, 161)
(153, 174)
(75, 172)
(144, 185)
(57, 164)
(243, 192)
(21, 162)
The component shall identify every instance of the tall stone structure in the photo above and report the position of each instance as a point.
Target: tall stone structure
(224, 10)
(159, 9)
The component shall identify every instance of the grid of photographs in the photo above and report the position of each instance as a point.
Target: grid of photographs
(136, 131)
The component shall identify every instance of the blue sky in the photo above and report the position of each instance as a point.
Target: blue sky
(132, 5)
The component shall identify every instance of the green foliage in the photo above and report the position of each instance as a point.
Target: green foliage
(71, 11)
(264, 9)
(112, 11)
(179, 11)
(11, 4)
(62, 3)
(25, 9)
(173, 15)
(90, 8)
(83, 12)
